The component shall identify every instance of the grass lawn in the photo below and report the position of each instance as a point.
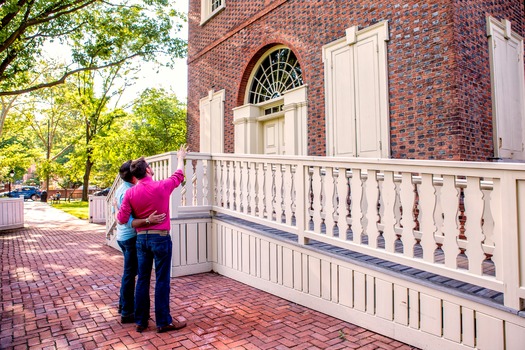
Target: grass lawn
(76, 208)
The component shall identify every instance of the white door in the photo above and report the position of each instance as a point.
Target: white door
(273, 136)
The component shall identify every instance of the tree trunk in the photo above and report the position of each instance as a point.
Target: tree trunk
(89, 165)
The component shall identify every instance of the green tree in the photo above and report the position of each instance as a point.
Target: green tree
(18, 148)
(51, 117)
(157, 125)
(99, 34)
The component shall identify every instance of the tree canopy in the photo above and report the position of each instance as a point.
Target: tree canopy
(99, 33)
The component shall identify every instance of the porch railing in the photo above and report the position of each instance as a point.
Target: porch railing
(461, 220)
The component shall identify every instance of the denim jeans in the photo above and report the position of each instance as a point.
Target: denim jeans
(127, 287)
(153, 248)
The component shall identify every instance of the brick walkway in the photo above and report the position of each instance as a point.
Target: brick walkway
(60, 285)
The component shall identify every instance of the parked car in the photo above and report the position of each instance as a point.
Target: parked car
(29, 192)
(103, 192)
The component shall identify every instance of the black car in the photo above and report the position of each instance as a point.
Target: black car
(29, 192)
(103, 192)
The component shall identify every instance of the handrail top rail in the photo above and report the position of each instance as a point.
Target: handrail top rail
(363, 162)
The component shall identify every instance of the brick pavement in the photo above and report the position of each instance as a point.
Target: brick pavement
(60, 284)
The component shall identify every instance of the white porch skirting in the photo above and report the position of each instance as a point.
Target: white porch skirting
(408, 310)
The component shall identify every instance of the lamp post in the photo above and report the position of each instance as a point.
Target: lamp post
(12, 174)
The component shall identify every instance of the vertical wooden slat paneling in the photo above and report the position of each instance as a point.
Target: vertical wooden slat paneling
(191, 238)
(265, 259)
(468, 327)
(297, 270)
(326, 280)
(452, 322)
(431, 314)
(334, 282)
(489, 331)
(229, 235)
(183, 244)
(413, 309)
(175, 240)
(401, 305)
(384, 299)
(371, 295)
(253, 255)
(314, 276)
(245, 253)
(236, 252)
(514, 336)
(359, 291)
(203, 241)
(274, 263)
(346, 295)
(288, 267)
(305, 274)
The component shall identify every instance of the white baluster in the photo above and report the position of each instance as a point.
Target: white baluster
(317, 200)
(473, 230)
(388, 195)
(372, 196)
(357, 212)
(450, 203)
(287, 193)
(342, 206)
(407, 221)
(329, 205)
(427, 201)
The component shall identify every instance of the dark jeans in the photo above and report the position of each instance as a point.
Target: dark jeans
(127, 287)
(153, 248)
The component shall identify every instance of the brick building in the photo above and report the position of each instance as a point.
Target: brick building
(441, 79)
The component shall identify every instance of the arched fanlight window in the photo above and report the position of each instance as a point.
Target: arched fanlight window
(277, 73)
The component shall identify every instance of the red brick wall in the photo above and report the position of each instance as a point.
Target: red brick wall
(438, 64)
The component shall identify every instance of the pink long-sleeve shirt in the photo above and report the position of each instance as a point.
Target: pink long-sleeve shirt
(146, 197)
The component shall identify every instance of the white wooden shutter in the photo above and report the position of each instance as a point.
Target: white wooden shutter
(368, 116)
(357, 94)
(343, 107)
(212, 122)
(508, 94)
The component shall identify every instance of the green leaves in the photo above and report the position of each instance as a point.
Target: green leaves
(99, 34)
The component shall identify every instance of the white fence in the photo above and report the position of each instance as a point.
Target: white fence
(11, 213)
(97, 209)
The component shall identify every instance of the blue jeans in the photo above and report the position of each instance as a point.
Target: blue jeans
(127, 287)
(153, 248)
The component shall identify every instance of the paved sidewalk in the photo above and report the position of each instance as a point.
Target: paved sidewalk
(60, 285)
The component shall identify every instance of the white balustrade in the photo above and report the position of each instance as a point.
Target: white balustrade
(461, 220)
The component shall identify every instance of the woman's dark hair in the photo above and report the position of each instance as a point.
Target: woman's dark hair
(125, 172)
(138, 168)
